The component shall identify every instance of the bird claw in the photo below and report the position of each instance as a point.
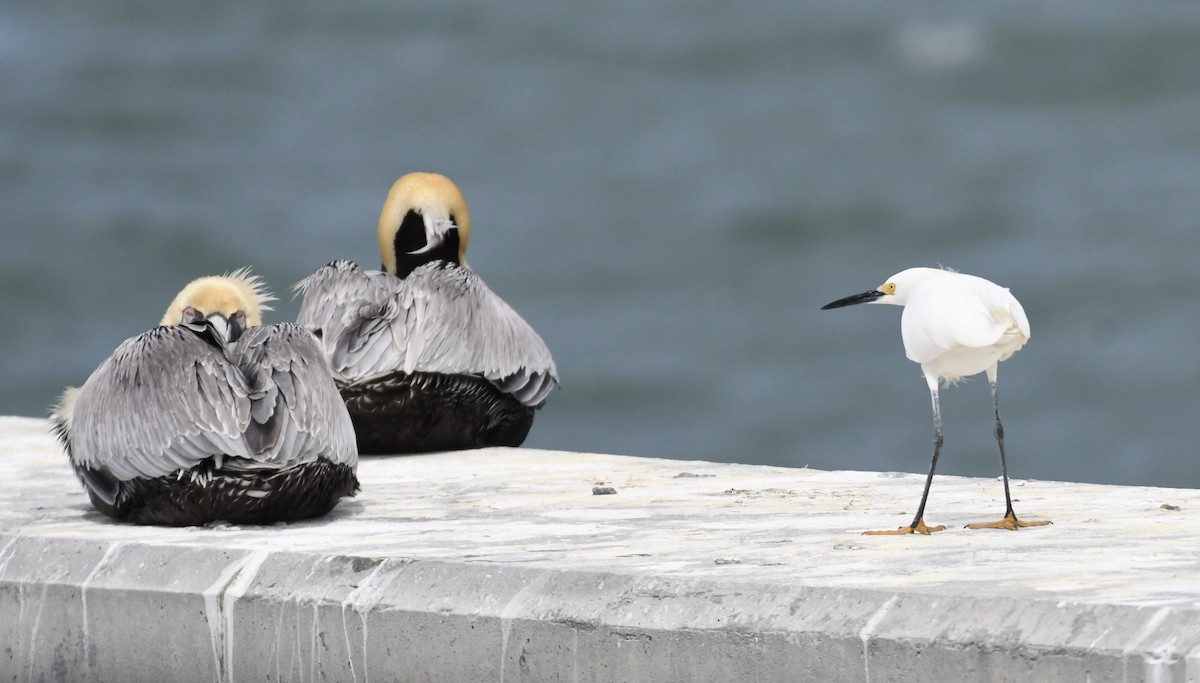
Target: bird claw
(1009, 522)
(920, 528)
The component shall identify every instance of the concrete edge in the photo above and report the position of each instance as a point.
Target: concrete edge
(81, 610)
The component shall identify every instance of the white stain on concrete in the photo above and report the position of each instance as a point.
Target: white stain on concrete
(219, 599)
(868, 630)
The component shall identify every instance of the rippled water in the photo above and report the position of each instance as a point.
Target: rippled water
(668, 192)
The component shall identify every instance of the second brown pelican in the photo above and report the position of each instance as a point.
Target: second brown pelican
(426, 356)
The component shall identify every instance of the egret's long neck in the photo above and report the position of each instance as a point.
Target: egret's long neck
(411, 237)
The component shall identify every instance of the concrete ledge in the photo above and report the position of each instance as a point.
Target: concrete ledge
(503, 565)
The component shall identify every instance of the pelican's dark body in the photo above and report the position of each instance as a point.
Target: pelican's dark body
(423, 412)
(202, 495)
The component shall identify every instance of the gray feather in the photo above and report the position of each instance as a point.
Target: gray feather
(438, 319)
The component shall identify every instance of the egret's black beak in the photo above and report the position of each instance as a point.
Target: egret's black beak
(864, 298)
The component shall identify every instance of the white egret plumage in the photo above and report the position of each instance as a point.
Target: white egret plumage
(212, 416)
(426, 356)
(954, 325)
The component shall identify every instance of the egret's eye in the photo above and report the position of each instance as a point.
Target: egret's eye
(890, 288)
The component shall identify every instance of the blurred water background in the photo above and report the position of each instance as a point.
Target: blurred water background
(668, 191)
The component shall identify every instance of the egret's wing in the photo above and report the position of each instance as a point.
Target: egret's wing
(165, 400)
(944, 319)
(449, 321)
(296, 413)
(1001, 319)
(1017, 313)
(1009, 314)
(350, 310)
(941, 320)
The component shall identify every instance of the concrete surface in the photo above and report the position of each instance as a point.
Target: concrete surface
(502, 565)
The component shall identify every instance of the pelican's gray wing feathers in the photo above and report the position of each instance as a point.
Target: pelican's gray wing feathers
(349, 310)
(453, 322)
(165, 400)
(438, 319)
(169, 399)
(296, 413)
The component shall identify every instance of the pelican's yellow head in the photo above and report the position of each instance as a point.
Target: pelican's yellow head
(238, 297)
(424, 219)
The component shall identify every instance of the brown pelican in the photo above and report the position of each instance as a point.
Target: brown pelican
(212, 416)
(426, 356)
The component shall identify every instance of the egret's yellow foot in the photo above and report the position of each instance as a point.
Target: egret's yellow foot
(1009, 522)
(920, 528)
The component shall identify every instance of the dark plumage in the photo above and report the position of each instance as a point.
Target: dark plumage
(204, 494)
(425, 412)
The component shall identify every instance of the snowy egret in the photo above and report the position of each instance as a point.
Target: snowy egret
(954, 325)
(212, 416)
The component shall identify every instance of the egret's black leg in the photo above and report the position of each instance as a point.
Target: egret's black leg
(918, 523)
(1010, 520)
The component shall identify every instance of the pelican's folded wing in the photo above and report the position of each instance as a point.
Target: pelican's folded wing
(349, 310)
(164, 401)
(437, 319)
(296, 413)
(449, 321)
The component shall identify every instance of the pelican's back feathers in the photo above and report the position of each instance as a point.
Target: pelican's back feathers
(171, 398)
(439, 319)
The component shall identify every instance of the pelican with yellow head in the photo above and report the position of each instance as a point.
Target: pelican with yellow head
(212, 416)
(425, 355)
